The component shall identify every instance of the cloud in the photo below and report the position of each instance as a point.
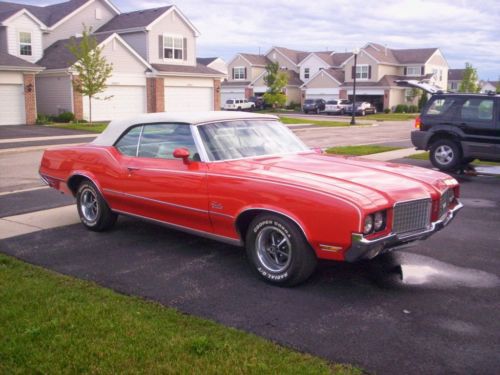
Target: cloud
(464, 30)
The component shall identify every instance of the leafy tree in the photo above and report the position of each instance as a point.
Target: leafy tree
(423, 100)
(498, 86)
(276, 80)
(92, 68)
(470, 81)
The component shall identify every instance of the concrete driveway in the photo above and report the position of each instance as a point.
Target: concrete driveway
(440, 317)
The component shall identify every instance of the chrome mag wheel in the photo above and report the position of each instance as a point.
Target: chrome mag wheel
(274, 249)
(89, 205)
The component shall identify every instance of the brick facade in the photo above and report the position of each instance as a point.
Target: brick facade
(77, 101)
(155, 94)
(30, 98)
(248, 92)
(217, 95)
(343, 94)
(387, 97)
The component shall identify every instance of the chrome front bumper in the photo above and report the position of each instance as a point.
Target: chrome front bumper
(362, 248)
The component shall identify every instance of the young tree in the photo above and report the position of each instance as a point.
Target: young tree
(276, 80)
(423, 100)
(470, 81)
(92, 68)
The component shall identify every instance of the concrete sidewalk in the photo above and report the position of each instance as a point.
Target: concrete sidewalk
(393, 155)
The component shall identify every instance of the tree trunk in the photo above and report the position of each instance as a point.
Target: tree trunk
(90, 110)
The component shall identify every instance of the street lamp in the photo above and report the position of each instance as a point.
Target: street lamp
(355, 52)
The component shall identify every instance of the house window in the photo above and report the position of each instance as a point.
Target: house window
(98, 14)
(306, 73)
(172, 47)
(413, 71)
(362, 72)
(25, 44)
(239, 72)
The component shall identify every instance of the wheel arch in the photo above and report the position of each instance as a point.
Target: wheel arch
(245, 217)
(443, 134)
(77, 178)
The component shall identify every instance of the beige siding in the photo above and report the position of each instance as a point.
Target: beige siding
(171, 24)
(219, 65)
(396, 96)
(11, 78)
(74, 25)
(384, 70)
(314, 63)
(275, 56)
(122, 59)
(363, 59)
(293, 95)
(189, 82)
(138, 41)
(321, 81)
(53, 94)
(437, 62)
(24, 23)
(252, 72)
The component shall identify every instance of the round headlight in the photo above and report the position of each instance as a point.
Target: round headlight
(378, 220)
(368, 226)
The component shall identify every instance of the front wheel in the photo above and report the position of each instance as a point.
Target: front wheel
(445, 155)
(93, 210)
(278, 250)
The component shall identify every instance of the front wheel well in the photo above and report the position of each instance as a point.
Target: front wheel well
(245, 218)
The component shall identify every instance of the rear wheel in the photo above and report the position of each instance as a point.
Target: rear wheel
(445, 155)
(93, 210)
(278, 250)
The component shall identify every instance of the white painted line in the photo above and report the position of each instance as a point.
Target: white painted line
(51, 138)
(23, 190)
(16, 225)
(35, 148)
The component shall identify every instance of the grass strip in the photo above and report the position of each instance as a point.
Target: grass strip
(55, 324)
(425, 156)
(293, 120)
(94, 128)
(391, 116)
(360, 150)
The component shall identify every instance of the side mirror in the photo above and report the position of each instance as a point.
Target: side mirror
(181, 153)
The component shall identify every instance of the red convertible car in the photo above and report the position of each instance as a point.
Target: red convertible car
(246, 179)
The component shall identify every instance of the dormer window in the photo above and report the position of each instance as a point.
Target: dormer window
(25, 44)
(173, 47)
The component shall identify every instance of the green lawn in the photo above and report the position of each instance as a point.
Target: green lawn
(94, 128)
(391, 116)
(54, 324)
(293, 120)
(360, 150)
(425, 156)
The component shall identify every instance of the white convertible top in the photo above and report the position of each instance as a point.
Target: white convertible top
(116, 128)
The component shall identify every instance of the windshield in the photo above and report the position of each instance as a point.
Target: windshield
(247, 138)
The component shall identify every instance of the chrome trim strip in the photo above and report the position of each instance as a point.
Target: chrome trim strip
(220, 214)
(54, 178)
(171, 171)
(212, 236)
(155, 201)
(138, 141)
(199, 144)
(90, 178)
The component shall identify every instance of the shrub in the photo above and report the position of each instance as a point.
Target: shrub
(412, 108)
(42, 119)
(274, 100)
(387, 110)
(401, 108)
(66, 117)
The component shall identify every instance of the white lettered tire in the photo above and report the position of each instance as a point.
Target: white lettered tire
(278, 250)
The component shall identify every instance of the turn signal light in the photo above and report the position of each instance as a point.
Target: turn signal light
(418, 123)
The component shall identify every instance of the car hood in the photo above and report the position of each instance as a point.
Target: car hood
(365, 182)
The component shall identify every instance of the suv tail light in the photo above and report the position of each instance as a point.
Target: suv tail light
(418, 123)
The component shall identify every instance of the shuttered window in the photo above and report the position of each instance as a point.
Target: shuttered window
(173, 47)
(363, 72)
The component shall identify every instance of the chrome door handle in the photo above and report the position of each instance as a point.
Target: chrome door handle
(130, 169)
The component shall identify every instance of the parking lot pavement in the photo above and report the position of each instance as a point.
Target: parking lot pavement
(440, 316)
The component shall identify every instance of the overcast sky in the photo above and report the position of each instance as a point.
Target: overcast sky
(464, 30)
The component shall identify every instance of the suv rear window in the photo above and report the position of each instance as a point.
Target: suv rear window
(440, 106)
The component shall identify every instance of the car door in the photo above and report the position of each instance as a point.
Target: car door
(476, 117)
(158, 186)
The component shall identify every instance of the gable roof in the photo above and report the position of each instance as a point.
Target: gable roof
(294, 56)
(257, 60)
(414, 55)
(340, 58)
(135, 19)
(9, 62)
(335, 74)
(456, 74)
(48, 15)
(293, 78)
(199, 69)
(206, 60)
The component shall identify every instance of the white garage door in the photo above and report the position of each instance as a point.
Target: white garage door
(123, 102)
(228, 93)
(12, 111)
(189, 99)
(326, 97)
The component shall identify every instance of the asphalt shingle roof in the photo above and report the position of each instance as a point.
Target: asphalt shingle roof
(205, 60)
(13, 61)
(49, 15)
(139, 18)
(198, 69)
(57, 55)
(294, 55)
(256, 59)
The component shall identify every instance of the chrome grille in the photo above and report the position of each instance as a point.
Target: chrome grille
(411, 216)
(444, 202)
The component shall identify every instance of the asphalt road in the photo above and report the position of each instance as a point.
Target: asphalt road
(439, 317)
